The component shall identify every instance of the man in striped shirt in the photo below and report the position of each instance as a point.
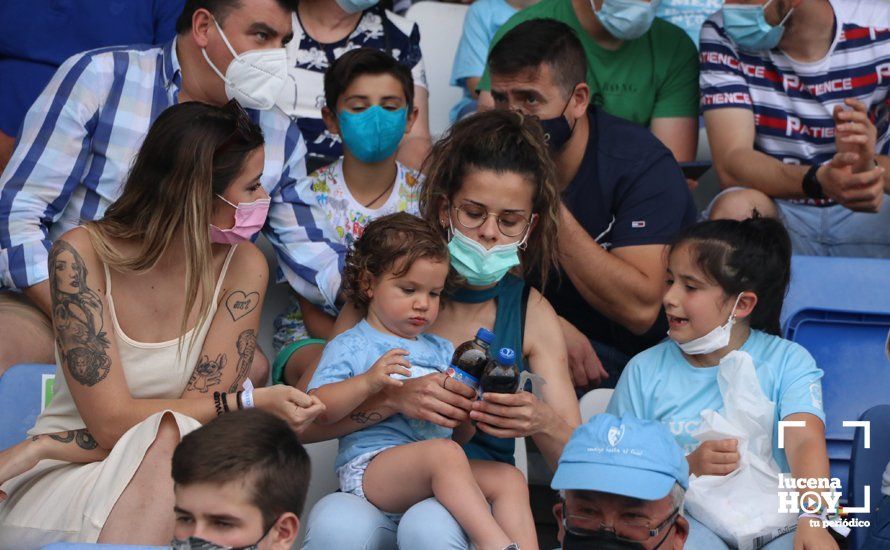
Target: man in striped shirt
(83, 131)
(796, 99)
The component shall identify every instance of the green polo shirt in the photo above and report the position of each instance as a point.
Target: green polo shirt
(654, 76)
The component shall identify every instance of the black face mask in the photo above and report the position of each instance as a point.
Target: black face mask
(600, 540)
(557, 131)
(604, 540)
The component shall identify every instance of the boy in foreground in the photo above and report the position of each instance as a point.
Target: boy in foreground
(240, 482)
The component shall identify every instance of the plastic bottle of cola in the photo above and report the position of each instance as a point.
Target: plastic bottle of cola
(501, 376)
(470, 358)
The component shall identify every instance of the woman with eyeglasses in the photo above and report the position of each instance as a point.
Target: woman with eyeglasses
(155, 311)
(491, 189)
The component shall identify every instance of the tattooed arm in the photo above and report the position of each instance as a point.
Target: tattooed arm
(91, 363)
(71, 446)
(231, 341)
(89, 356)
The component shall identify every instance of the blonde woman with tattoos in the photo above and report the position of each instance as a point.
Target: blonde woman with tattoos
(155, 310)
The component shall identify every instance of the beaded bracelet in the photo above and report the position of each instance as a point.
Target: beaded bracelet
(225, 401)
(216, 403)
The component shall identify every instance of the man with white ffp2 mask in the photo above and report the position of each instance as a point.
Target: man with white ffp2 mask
(82, 134)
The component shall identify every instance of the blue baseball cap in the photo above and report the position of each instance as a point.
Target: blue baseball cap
(623, 456)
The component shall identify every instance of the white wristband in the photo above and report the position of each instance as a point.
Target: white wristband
(247, 396)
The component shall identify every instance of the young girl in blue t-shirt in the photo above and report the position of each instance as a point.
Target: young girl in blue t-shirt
(726, 281)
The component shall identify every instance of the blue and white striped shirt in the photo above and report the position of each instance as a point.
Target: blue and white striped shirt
(79, 139)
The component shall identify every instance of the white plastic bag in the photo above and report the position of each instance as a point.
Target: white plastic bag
(741, 507)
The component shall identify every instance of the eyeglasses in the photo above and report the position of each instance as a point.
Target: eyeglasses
(511, 224)
(242, 125)
(632, 530)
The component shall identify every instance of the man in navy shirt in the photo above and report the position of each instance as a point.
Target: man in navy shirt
(624, 200)
(36, 36)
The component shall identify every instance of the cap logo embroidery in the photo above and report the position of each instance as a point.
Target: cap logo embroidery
(615, 434)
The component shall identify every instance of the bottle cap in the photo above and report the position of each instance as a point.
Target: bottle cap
(506, 356)
(485, 335)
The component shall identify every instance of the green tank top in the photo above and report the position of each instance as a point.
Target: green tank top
(511, 294)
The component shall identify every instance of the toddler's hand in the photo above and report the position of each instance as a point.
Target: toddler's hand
(714, 458)
(391, 362)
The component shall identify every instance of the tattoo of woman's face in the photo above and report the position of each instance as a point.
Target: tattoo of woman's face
(69, 279)
(77, 317)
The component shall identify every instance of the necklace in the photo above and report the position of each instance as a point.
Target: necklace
(377, 198)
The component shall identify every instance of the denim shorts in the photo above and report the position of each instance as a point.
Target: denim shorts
(831, 230)
(837, 231)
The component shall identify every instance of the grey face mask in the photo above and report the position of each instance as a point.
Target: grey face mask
(197, 543)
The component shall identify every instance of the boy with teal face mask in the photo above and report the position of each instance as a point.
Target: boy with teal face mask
(369, 105)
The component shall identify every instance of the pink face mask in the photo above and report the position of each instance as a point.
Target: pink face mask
(249, 219)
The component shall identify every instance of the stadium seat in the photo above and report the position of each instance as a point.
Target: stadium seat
(840, 284)
(277, 299)
(867, 465)
(703, 150)
(24, 391)
(324, 481)
(594, 402)
(441, 25)
(849, 348)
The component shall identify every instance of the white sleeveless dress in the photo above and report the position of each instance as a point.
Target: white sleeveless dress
(62, 501)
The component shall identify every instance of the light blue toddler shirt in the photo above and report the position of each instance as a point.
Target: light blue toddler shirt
(354, 352)
(659, 384)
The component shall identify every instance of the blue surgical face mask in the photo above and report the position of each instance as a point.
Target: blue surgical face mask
(626, 19)
(747, 26)
(374, 134)
(355, 6)
(482, 266)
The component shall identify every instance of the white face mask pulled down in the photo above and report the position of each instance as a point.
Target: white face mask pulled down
(713, 341)
(254, 78)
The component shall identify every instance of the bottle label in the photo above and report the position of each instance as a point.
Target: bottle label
(462, 376)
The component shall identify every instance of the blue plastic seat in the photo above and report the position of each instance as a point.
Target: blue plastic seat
(837, 284)
(23, 394)
(867, 465)
(849, 348)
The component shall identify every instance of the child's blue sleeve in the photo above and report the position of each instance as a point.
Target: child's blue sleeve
(469, 60)
(629, 397)
(800, 388)
(444, 350)
(343, 358)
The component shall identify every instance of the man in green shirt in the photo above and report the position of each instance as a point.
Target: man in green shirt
(638, 68)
